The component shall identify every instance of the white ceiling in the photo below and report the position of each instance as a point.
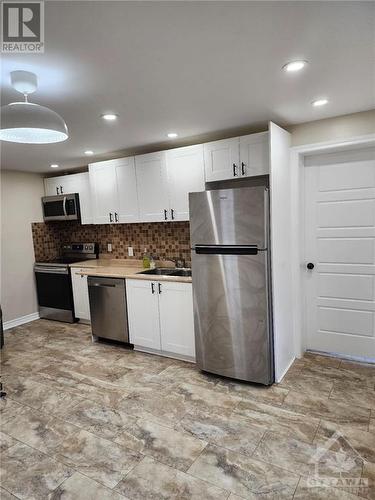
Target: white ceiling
(189, 67)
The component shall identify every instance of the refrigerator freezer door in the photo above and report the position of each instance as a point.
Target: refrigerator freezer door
(233, 329)
(229, 217)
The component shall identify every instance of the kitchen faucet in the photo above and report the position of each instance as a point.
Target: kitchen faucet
(178, 261)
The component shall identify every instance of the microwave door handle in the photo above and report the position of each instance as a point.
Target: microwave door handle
(64, 206)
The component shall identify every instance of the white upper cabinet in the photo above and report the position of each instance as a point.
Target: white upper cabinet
(185, 167)
(154, 187)
(63, 184)
(152, 183)
(254, 154)
(221, 159)
(127, 198)
(74, 183)
(103, 191)
(238, 157)
(114, 191)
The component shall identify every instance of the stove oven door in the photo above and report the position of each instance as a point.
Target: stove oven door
(54, 291)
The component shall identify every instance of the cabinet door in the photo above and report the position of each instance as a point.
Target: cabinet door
(103, 191)
(52, 186)
(81, 185)
(185, 167)
(152, 186)
(254, 154)
(176, 318)
(221, 159)
(127, 197)
(143, 313)
(80, 294)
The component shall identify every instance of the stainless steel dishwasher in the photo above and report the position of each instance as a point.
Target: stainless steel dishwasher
(109, 317)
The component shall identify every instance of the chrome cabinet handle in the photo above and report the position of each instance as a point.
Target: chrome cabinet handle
(159, 287)
(235, 170)
(116, 217)
(172, 214)
(165, 214)
(243, 172)
(152, 288)
(110, 217)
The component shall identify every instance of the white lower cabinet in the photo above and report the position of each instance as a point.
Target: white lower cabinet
(143, 313)
(176, 318)
(160, 316)
(80, 294)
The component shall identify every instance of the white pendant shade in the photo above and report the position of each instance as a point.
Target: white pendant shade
(30, 123)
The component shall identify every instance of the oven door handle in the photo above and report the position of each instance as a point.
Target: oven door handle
(64, 206)
(51, 270)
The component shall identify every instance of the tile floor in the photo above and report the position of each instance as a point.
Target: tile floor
(87, 421)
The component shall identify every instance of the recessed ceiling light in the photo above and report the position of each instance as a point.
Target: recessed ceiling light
(172, 135)
(294, 66)
(54, 165)
(109, 116)
(89, 152)
(320, 102)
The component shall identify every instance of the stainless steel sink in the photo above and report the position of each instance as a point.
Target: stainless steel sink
(160, 271)
(164, 271)
(181, 272)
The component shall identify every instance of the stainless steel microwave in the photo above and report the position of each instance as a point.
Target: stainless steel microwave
(61, 207)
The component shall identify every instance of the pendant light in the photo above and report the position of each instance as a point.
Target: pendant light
(29, 123)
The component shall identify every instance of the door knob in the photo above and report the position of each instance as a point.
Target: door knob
(310, 266)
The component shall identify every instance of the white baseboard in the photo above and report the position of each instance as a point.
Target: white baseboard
(360, 359)
(282, 375)
(20, 321)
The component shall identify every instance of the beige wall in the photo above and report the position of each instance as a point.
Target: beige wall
(20, 205)
(330, 129)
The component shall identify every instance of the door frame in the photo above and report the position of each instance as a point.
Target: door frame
(297, 223)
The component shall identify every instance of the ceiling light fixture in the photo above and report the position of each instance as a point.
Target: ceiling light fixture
(54, 165)
(109, 117)
(172, 135)
(293, 66)
(89, 152)
(26, 122)
(320, 102)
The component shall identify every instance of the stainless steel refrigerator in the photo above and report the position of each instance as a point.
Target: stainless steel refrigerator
(232, 283)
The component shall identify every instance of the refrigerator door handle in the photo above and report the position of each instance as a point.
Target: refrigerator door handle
(227, 249)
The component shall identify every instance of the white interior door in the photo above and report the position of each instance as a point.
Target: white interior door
(340, 243)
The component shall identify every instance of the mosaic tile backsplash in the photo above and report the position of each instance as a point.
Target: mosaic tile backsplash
(161, 239)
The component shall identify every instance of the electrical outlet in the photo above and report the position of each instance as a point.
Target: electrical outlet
(109, 247)
(130, 252)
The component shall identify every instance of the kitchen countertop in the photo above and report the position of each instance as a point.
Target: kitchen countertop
(123, 268)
